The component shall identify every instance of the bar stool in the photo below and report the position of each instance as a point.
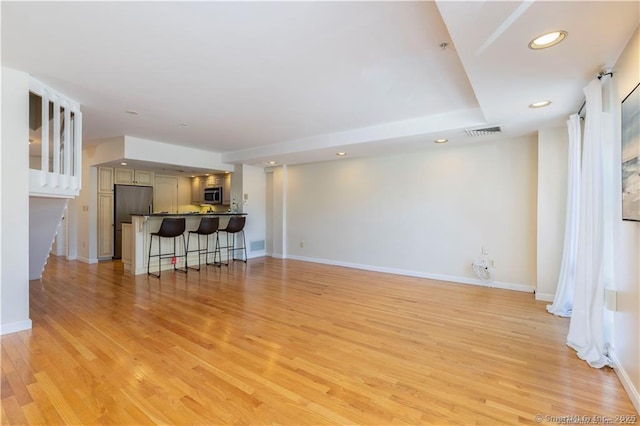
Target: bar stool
(208, 226)
(169, 228)
(235, 225)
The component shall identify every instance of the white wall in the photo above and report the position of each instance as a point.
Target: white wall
(277, 213)
(626, 319)
(102, 151)
(164, 153)
(83, 217)
(85, 213)
(71, 220)
(254, 187)
(553, 147)
(14, 219)
(423, 213)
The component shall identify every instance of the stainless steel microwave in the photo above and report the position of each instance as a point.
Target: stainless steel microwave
(213, 195)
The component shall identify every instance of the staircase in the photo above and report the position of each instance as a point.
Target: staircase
(45, 215)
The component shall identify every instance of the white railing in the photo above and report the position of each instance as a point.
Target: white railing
(60, 171)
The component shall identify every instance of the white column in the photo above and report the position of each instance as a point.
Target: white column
(14, 186)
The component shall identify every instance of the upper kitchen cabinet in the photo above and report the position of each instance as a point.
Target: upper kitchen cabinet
(105, 179)
(199, 183)
(214, 181)
(226, 189)
(133, 177)
(197, 190)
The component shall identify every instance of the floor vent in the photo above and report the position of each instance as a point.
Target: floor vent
(256, 245)
(484, 131)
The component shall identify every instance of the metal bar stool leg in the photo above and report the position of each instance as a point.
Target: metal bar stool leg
(187, 251)
(244, 246)
(184, 246)
(159, 256)
(216, 252)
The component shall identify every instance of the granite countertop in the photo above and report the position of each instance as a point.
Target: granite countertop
(190, 214)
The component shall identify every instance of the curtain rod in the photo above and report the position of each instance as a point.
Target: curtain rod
(600, 75)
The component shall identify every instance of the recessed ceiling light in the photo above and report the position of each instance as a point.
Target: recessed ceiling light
(540, 104)
(341, 154)
(272, 162)
(132, 112)
(441, 140)
(547, 40)
(123, 163)
(182, 125)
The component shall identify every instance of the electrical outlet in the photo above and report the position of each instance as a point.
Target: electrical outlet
(301, 244)
(485, 251)
(492, 263)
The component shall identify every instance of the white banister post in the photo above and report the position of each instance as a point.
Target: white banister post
(44, 170)
(56, 141)
(68, 146)
(77, 141)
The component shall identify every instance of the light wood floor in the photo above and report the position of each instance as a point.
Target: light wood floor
(282, 341)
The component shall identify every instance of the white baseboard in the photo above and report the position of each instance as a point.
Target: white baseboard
(256, 254)
(14, 327)
(420, 274)
(627, 384)
(545, 297)
(277, 255)
(85, 260)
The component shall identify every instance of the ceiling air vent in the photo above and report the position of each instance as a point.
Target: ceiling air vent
(484, 131)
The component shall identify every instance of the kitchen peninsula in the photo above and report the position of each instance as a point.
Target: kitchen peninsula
(137, 234)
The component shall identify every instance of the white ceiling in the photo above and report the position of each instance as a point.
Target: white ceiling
(297, 81)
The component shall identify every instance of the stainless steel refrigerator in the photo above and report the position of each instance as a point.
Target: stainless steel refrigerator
(128, 200)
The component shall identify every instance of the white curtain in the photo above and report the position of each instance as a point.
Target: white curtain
(563, 300)
(586, 334)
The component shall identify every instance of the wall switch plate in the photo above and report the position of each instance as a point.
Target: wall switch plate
(485, 251)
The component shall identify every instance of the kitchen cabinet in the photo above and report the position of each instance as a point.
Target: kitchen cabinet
(124, 176)
(105, 212)
(105, 179)
(215, 180)
(105, 225)
(133, 177)
(165, 194)
(226, 189)
(197, 190)
(127, 246)
(142, 177)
